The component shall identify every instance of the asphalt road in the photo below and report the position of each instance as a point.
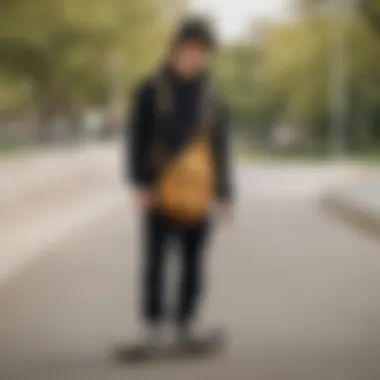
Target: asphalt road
(296, 289)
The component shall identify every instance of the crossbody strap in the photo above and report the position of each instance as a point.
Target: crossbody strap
(207, 110)
(163, 108)
(164, 104)
(163, 99)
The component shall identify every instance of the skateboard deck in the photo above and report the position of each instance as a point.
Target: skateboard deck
(207, 345)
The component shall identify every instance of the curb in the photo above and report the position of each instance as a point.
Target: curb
(348, 212)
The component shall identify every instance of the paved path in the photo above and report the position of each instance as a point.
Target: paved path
(45, 196)
(30, 171)
(365, 194)
(359, 202)
(297, 289)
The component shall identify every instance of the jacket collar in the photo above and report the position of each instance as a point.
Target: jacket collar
(174, 77)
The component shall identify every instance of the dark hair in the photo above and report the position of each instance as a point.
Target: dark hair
(195, 29)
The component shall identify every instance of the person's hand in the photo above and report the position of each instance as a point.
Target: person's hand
(224, 213)
(144, 198)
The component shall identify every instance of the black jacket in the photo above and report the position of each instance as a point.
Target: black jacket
(143, 127)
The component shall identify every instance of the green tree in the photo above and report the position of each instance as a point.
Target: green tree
(62, 48)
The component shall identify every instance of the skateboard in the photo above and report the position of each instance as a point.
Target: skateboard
(204, 346)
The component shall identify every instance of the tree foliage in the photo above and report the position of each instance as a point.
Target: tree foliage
(290, 76)
(64, 50)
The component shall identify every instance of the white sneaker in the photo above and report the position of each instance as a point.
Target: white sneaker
(185, 335)
(151, 337)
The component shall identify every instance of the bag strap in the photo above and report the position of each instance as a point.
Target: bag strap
(163, 99)
(163, 108)
(163, 102)
(207, 110)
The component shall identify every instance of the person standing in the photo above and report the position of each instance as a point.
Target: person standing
(185, 77)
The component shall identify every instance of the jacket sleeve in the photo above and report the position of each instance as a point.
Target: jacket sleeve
(222, 154)
(138, 133)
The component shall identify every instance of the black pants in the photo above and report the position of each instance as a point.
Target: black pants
(159, 231)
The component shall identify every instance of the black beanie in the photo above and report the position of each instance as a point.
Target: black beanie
(195, 29)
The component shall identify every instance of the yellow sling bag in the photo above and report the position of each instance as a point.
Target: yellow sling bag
(185, 186)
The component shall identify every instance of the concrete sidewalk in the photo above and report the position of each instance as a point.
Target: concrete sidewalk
(296, 290)
(32, 172)
(46, 196)
(359, 202)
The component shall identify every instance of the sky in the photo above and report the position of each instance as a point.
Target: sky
(233, 16)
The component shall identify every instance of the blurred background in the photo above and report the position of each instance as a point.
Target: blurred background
(301, 77)
(302, 80)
